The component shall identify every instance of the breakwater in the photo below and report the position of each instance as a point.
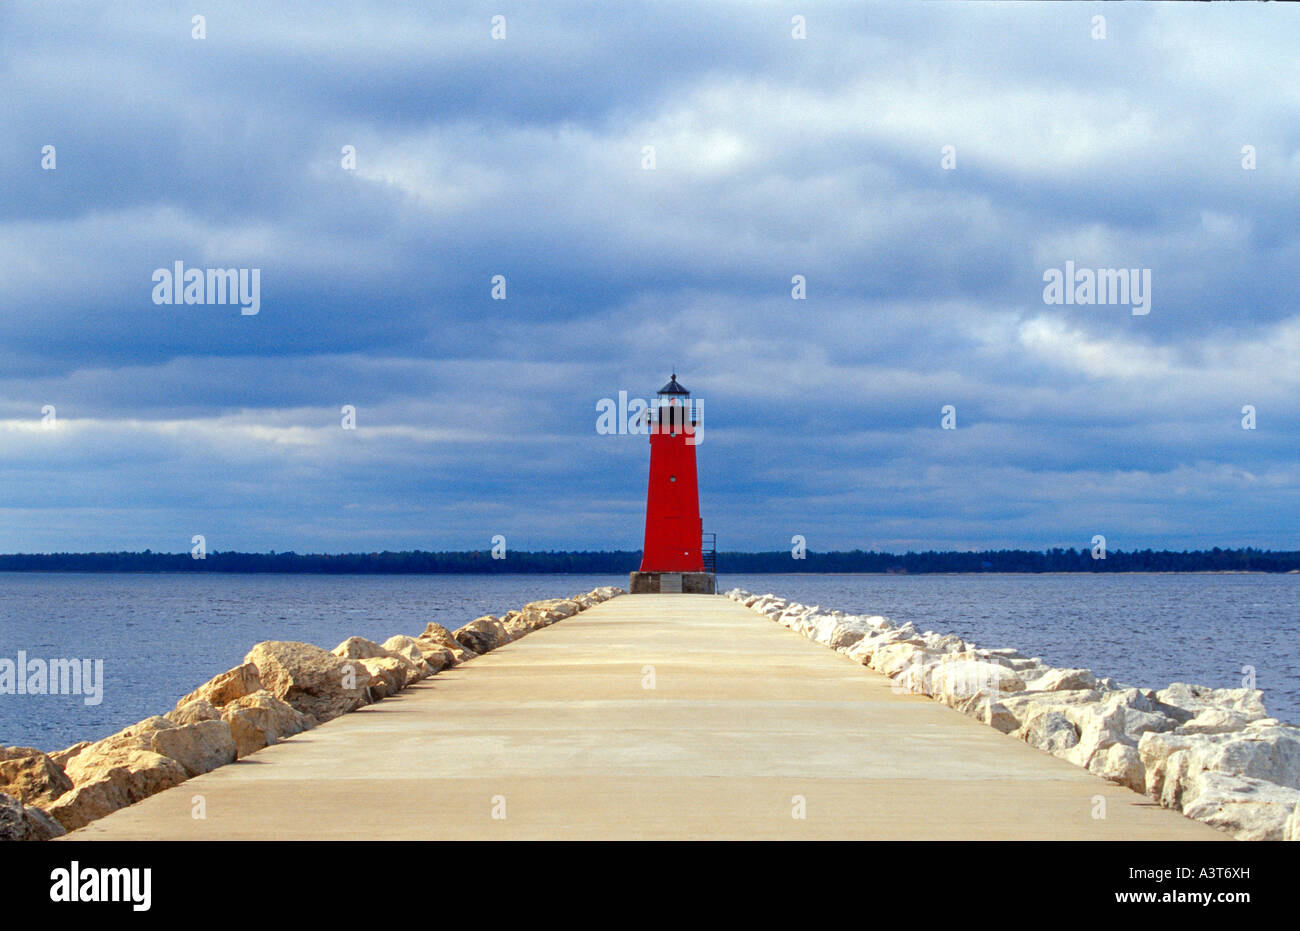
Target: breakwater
(651, 717)
(1213, 754)
(281, 689)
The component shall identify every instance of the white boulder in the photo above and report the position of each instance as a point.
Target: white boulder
(1248, 809)
(1063, 680)
(1049, 730)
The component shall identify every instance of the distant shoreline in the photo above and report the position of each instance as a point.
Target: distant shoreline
(722, 574)
(620, 562)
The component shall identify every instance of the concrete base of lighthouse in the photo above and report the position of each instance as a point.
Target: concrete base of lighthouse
(688, 583)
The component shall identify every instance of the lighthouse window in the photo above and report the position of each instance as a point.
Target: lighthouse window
(672, 478)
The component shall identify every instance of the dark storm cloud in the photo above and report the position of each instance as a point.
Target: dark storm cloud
(774, 157)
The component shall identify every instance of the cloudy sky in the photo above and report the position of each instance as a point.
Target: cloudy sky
(525, 157)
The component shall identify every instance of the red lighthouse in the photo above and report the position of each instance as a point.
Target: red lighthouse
(674, 558)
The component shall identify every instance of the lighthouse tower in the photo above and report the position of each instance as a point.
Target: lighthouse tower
(674, 558)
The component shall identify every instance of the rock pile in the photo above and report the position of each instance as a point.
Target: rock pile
(1213, 754)
(281, 689)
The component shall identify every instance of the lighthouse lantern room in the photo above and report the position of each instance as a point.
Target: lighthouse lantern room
(674, 558)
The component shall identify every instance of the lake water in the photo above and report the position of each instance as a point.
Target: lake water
(1146, 630)
(161, 635)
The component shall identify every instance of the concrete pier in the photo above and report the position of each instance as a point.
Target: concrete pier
(652, 716)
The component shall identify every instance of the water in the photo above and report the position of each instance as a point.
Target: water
(161, 635)
(1146, 630)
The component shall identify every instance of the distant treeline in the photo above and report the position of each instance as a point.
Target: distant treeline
(1053, 560)
(623, 561)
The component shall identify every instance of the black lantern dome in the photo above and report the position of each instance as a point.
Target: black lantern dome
(673, 387)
